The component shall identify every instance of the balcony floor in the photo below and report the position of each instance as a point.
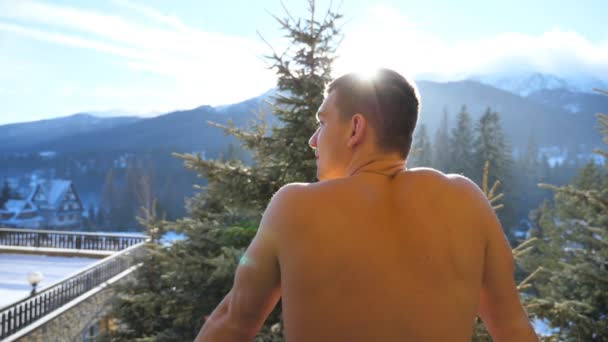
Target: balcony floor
(15, 267)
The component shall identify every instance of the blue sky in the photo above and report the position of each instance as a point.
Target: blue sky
(63, 57)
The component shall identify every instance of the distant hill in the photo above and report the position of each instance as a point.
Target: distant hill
(521, 117)
(23, 137)
(542, 114)
(573, 102)
(180, 131)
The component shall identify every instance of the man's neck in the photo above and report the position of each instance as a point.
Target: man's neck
(386, 165)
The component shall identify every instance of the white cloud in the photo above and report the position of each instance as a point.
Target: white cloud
(210, 67)
(386, 38)
(152, 13)
(71, 40)
(66, 90)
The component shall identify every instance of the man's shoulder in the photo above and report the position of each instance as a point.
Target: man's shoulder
(467, 195)
(291, 194)
(463, 185)
(309, 189)
(448, 179)
(306, 195)
(450, 186)
(292, 190)
(427, 173)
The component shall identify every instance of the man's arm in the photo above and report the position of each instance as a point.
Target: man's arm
(257, 282)
(499, 306)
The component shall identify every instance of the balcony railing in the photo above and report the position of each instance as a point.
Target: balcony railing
(68, 240)
(19, 315)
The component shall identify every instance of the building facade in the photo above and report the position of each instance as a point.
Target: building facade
(51, 204)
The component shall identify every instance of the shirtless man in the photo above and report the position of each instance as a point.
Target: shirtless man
(374, 251)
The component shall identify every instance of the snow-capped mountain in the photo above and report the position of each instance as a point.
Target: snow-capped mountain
(526, 83)
(572, 102)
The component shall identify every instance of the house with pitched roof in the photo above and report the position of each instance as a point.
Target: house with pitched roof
(52, 204)
(19, 213)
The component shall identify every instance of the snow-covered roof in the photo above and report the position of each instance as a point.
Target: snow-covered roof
(17, 207)
(13, 205)
(58, 187)
(16, 220)
(54, 190)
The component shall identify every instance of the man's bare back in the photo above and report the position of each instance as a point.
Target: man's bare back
(381, 259)
(361, 256)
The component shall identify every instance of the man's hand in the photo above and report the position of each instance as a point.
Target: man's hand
(257, 282)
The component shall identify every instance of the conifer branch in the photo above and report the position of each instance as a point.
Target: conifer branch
(600, 152)
(499, 206)
(525, 282)
(590, 196)
(494, 188)
(601, 91)
(524, 245)
(496, 198)
(484, 182)
(490, 193)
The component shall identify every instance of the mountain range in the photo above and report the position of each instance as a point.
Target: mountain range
(526, 83)
(554, 116)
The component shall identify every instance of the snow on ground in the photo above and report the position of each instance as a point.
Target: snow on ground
(14, 269)
(542, 327)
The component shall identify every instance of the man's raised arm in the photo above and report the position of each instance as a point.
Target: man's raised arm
(499, 306)
(257, 282)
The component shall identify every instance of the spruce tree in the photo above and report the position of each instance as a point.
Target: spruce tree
(179, 284)
(421, 153)
(100, 219)
(571, 291)
(441, 145)
(91, 219)
(529, 161)
(5, 195)
(461, 145)
(491, 146)
(530, 170)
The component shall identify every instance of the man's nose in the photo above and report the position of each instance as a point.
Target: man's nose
(312, 142)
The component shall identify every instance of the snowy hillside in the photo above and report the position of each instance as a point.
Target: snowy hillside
(524, 84)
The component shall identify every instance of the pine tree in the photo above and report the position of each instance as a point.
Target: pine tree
(178, 285)
(461, 145)
(6, 193)
(91, 219)
(101, 217)
(491, 146)
(529, 160)
(441, 146)
(571, 291)
(546, 171)
(421, 154)
(110, 197)
(531, 170)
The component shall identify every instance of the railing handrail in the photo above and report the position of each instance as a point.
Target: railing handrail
(75, 275)
(18, 230)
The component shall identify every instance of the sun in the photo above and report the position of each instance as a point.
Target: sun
(367, 73)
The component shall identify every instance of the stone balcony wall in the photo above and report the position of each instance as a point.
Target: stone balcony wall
(71, 321)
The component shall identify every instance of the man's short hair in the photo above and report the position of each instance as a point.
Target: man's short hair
(388, 101)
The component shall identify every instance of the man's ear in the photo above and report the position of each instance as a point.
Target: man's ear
(358, 126)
